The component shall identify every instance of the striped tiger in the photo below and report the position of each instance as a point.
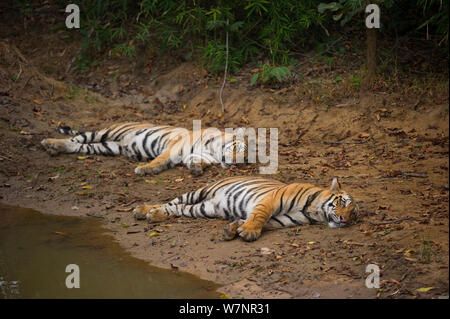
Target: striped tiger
(253, 203)
(166, 146)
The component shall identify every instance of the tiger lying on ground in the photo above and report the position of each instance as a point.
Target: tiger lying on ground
(166, 146)
(254, 203)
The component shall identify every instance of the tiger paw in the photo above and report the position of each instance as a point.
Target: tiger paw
(143, 170)
(139, 212)
(156, 215)
(249, 232)
(196, 170)
(230, 231)
(52, 146)
(146, 170)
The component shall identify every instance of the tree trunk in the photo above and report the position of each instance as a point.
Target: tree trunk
(371, 55)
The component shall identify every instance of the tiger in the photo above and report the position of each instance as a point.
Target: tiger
(166, 146)
(254, 203)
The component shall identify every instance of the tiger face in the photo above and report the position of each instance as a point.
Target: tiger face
(342, 209)
(236, 151)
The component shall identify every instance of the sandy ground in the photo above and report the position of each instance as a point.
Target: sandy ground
(389, 148)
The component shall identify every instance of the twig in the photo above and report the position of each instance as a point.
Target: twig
(26, 83)
(343, 142)
(7, 158)
(20, 72)
(422, 175)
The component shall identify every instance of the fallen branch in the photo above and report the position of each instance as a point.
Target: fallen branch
(412, 174)
(343, 142)
(7, 158)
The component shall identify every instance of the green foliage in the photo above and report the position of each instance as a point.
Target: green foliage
(271, 74)
(346, 10)
(254, 27)
(269, 30)
(25, 6)
(356, 80)
(436, 13)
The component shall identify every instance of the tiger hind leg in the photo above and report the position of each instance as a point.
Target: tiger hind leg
(205, 209)
(140, 212)
(56, 146)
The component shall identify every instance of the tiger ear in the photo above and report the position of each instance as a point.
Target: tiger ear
(335, 185)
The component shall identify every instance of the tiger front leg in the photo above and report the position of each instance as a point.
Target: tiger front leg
(197, 168)
(167, 159)
(159, 164)
(251, 229)
(230, 231)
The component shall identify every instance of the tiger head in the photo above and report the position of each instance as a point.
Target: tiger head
(341, 208)
(234, 148)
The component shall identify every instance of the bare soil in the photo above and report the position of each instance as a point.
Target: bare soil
(388, 146)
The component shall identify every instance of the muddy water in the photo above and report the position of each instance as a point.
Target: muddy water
(36, 248)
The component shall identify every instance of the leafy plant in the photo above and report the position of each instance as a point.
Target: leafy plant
(271, 74)
(356, 81)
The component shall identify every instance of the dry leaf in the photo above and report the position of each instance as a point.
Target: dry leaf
(153, 234)
(424, 289)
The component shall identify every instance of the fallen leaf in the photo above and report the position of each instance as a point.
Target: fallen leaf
(87, 187)
(266, 251)
(52, 178)
(424, 289)
(59, 233)
(153, 234)
(82, 157)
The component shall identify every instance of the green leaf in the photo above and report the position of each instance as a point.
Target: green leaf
(254, 78)
(332, 6)
(336, 17)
